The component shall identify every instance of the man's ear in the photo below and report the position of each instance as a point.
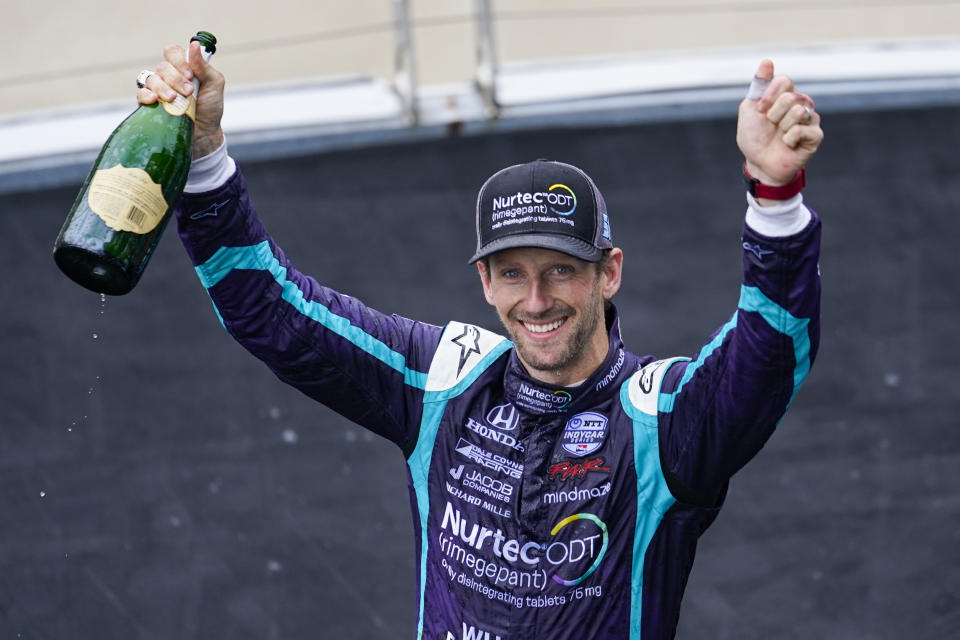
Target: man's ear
(612, 271)
(485, 281)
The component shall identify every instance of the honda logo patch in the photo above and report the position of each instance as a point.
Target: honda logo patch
(504, 417)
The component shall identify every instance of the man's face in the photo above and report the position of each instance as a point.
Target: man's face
(551, 304)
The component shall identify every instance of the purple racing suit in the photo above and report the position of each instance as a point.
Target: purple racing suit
(539, 512)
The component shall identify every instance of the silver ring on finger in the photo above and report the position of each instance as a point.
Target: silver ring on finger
(142, 78)
(808, 114)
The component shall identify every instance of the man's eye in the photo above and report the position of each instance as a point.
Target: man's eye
(511, 274)
(563, 270)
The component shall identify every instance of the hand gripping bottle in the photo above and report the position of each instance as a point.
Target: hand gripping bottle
(125, 201)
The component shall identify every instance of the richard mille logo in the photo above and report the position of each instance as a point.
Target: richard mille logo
(469, 343)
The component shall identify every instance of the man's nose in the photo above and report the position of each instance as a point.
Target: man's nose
(538, 298)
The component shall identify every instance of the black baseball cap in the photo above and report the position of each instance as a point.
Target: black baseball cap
(545, 204)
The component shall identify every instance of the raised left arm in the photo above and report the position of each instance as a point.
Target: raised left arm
(717, 410)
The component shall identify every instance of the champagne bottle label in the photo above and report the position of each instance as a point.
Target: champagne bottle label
(126, 199)
(182, 105)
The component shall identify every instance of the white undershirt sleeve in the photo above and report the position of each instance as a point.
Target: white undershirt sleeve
(211, 171)
(779, 220)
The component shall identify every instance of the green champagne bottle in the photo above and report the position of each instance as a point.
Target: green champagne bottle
(125, 201)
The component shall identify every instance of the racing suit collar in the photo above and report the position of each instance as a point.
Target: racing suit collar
(534, 396)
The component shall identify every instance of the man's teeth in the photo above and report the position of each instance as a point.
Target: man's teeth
(543, 328)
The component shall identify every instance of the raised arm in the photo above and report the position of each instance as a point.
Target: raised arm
(366, 365)
(717, 410)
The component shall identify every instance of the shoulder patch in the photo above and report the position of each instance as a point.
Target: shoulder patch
(644, 389)
(462, 347)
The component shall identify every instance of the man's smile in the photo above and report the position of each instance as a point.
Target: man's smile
(542, 327)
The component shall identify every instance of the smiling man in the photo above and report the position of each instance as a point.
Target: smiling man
(547, 269)
(559, 482)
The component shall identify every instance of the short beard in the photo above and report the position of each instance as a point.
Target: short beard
(589, 320)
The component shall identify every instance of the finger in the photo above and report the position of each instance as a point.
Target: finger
(146, 96)
(197, 64)
(761, 80)
(779, 109)
(806, 136)
(798, 114)
(176, 56)
(806, 99)
(203, 70)
(167, 79)
(159, 87)
(777, 87)
(765, 69)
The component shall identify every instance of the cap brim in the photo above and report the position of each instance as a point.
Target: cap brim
(564, 244)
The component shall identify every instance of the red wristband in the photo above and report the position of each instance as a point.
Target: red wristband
(783, 192)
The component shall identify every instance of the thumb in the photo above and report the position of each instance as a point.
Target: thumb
(195, 60)
(761, 80)
(764, 71)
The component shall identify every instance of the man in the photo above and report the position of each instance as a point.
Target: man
(559, 483)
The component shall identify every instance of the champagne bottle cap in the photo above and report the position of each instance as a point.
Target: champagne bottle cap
(207, 40)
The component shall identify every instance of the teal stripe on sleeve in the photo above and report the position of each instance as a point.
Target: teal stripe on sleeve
(259, 257)
(752, 299)
(666, 400)
(781, 320)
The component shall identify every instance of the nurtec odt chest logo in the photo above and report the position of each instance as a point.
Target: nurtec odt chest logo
(584, 433)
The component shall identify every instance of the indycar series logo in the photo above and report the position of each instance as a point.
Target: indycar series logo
(584, 433)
